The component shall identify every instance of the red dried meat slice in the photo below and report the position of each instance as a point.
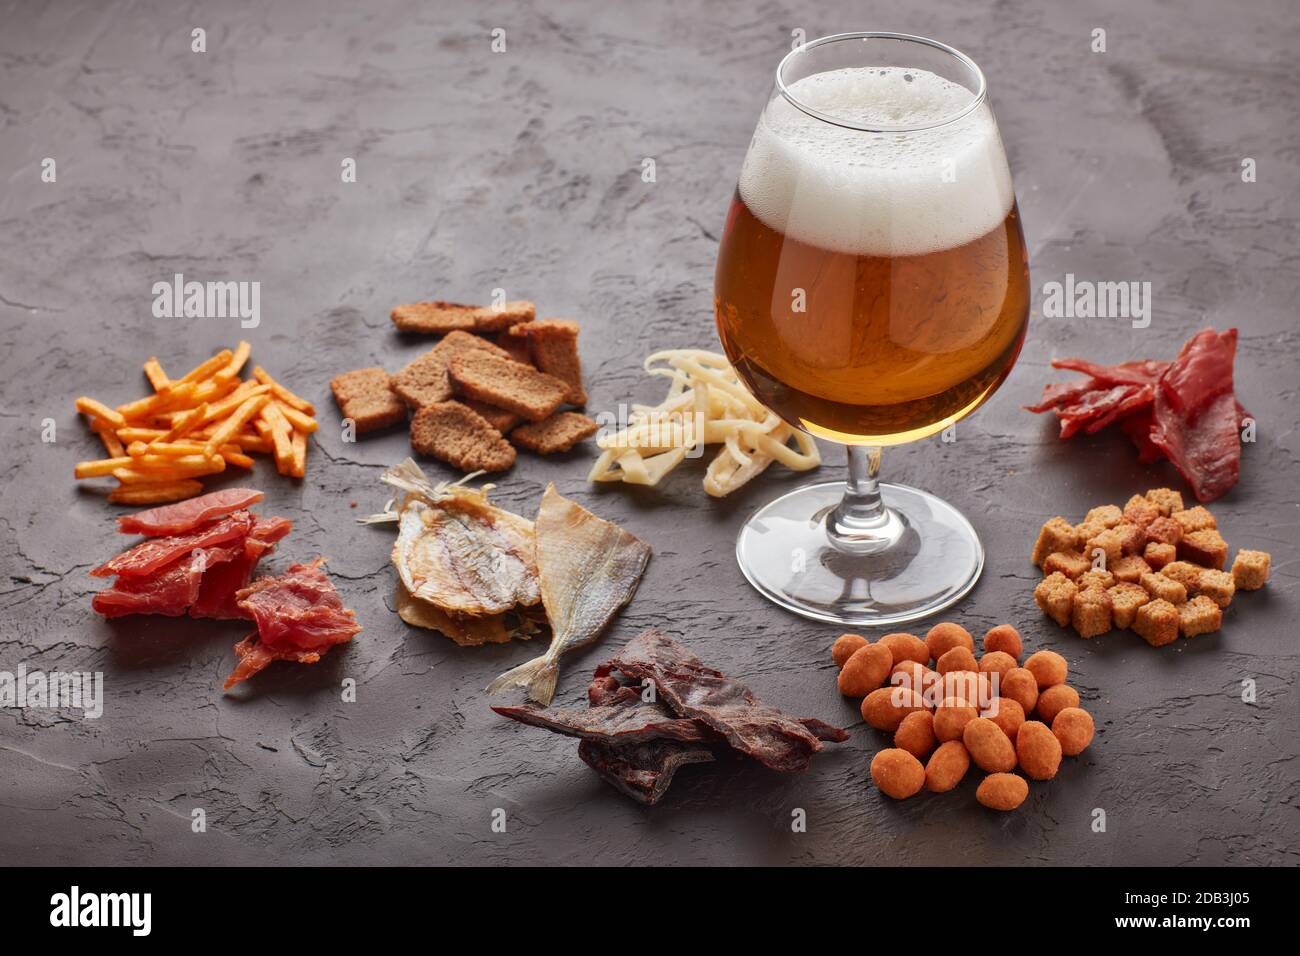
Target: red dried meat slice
(299, 617)
(221, 582)
(1195, 416)
(1064, 393)
(153, 553)
(1143, 372)
(188, 515)
(1137, 427)
(169, 591)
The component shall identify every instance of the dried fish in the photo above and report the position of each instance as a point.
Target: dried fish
(588, 568)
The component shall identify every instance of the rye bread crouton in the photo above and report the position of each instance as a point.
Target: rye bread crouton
(498, 418)
(514, 341)
(439, 318)
(558, 433)
(460, 437)
(424, 381)
(506, 384)
(364, 396)
(553, 345)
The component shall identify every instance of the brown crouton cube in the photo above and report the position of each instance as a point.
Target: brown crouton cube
(1158, 554)
(1131, 537)
(1056, 535)
(1186, 574)
(1166, 500)
(1205, 547)
(1163, 588)
(1165, 530)
(1125, 599)
(364, 396)
(1157, 622)
(553, 344)
(1106, 515)
(1070, 563)
(558, 433)
(1140, 511)
(506, 384)
(1055, 597)
(1218, 586)
(1200, 615)
(439, 318)
(1096, 578)
(460, 437)
(1088, 529)
(425, 381)
(1129, 568)
(1091, 612)
(1194, 519)
(1111, 542)
(1250, 569)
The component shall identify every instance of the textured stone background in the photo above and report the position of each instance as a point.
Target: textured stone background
(522, 170)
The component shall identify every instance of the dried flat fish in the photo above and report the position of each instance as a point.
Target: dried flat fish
(464, 630)
(588, 569)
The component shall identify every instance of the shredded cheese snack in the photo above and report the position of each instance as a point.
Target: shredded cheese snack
(706, 405)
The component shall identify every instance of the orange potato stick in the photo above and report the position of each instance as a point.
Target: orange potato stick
(255, 443)
(143, 408)
(280, 434)
(155, 494)
(212, 389)
(183, 425)
(154, 372)
(206, 369)
(298, 465)
(133, 433)
(94, 409)
(100, 468)
(137, 448)
(242, 351)
(282, 393)
(241, 417)
(300, 421)
(238, 459)
(108, 436)
(245, 390)
(193, 458)
(171, 469)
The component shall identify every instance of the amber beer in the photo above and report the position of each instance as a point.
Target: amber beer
(873, 288)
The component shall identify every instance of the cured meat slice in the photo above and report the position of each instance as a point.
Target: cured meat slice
(222, 581)
(153, 553)
(642, 771)
(169, 591)
(299, 617)
(613, 724)
(187, 515)
(1142, 372)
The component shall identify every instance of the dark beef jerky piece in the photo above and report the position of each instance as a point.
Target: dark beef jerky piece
(642, 771)
(618, 724)
(824, 731)
(727, 706)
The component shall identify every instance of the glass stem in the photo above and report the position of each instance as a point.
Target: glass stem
(861, 521)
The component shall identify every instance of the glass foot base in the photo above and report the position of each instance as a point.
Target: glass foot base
(922, 558)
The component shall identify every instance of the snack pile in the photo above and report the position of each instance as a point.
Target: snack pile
(963, 711)
(1153, 565)
(1184, 410)
(497, 380)
(196, 425)
(706, 404)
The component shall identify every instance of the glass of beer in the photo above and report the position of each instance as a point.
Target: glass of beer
(872, 289)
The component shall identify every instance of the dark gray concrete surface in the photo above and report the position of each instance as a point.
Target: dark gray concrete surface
(522, 170)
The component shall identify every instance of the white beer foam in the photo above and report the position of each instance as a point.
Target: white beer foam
(878, 194)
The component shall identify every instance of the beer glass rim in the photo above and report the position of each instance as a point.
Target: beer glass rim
(978, 95)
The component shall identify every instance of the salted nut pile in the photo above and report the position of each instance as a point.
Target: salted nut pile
(992, 711)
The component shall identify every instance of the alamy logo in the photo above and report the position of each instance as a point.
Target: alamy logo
(1098, 300)
(75, 908)
(179, 299)
(58, 690)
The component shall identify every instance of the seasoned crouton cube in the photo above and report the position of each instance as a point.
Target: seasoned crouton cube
(1158, 554)
(1139, 511)
(1166, 500)
(1096, 578)
(1194, 519)
(1055, 597)
(1131, 537)
(1185, 573)
(1125, 599)
(1056, 535)
(1157, 622)
(1218, 586)
(1129, 568)
(1163, 588)
(1088, 529)
(1250, 569)
(1205, 547)
(1091, 612)
(1070, 563)
(1166, 530)
(1200, 615)
(1106, 515)
(1111, 542)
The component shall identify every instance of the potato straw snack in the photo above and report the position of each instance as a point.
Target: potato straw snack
(706, 405)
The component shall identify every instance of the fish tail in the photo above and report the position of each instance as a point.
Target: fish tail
(538, 675)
